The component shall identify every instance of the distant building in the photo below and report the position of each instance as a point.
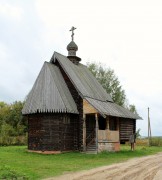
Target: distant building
(68, 110)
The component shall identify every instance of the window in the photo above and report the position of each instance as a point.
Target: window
(66, 120)
(113, 124)
(102, 123)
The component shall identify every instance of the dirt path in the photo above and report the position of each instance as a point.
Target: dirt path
(145, 168)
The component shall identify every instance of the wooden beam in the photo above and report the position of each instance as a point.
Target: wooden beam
(117, 118)
(96, 118)
(149, 127)
(84, 132)
(87, 108)
(107, 119)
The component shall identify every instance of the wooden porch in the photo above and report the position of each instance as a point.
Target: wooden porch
(96, 138)
(99, 134)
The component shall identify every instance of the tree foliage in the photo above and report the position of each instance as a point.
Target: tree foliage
(109, 81)
(111, 84)
(138, 133)
(12, 123)
(132, 108)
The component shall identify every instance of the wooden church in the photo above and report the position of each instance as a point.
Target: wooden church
(68, 110)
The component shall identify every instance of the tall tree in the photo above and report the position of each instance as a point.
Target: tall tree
(132, 108)
(109, 81)
(11, 116)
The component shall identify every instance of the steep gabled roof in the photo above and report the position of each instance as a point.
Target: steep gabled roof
(82, 79)
(90, 89)
(49, 93)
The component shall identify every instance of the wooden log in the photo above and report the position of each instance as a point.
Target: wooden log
(84, 132)
(96, 118)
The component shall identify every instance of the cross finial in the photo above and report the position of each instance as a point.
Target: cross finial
(72, 35)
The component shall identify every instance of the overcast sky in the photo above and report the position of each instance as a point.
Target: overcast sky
(123, 35)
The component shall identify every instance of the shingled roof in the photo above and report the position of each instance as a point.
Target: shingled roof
(49, 93)
(111, 109)
(83, 80)
(90, 89)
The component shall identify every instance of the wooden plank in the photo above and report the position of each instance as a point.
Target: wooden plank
(127, 126)
(87, 108)
(96, 118)
(84, 132)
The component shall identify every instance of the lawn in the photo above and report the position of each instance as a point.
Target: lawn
(16, 162)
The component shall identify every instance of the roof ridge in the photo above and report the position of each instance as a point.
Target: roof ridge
(82, 79)
(68, 74)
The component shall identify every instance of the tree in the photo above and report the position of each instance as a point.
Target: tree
(4, 113)
(109, 81)
(111, 84)
(132, 108)
(12, 123)
(138, 133)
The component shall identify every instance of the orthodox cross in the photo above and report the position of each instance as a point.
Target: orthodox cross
(72, 35)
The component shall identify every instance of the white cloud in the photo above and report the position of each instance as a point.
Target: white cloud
(3, 52)
(125, 35)
(10, 11)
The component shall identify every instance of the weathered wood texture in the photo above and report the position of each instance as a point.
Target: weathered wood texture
(90, 128)
(107, 135)
(127, 126)
(87, 108)
(52, 132)
(79, 102)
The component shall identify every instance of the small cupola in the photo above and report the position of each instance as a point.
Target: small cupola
(72, 48)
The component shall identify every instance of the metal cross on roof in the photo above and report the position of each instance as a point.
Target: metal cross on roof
(72, 35)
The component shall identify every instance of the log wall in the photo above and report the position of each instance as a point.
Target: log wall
(79, 102)
(126, 128)
(52, 132)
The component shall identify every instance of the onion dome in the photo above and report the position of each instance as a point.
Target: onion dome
(72, 48)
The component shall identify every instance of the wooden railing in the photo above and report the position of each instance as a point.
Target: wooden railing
(108, 135)
(90, 139)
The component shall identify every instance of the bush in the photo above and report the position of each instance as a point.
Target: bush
(13, 126)
(13, 140)
(156, 141)
(142, 142)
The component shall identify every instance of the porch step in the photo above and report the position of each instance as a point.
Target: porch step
(91, 148)
(91, 152)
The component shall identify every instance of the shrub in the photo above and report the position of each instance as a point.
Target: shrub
(13, 140)
(156, 141)
(142, 142)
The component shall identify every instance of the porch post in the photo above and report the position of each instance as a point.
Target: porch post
(107, 118)
(118, 124)
(84, 132)
(96, 118)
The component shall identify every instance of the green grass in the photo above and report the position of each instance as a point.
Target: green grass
(16, 162)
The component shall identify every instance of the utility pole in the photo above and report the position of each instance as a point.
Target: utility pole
(149, 127)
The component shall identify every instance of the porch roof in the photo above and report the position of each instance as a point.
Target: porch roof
(111, 109)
